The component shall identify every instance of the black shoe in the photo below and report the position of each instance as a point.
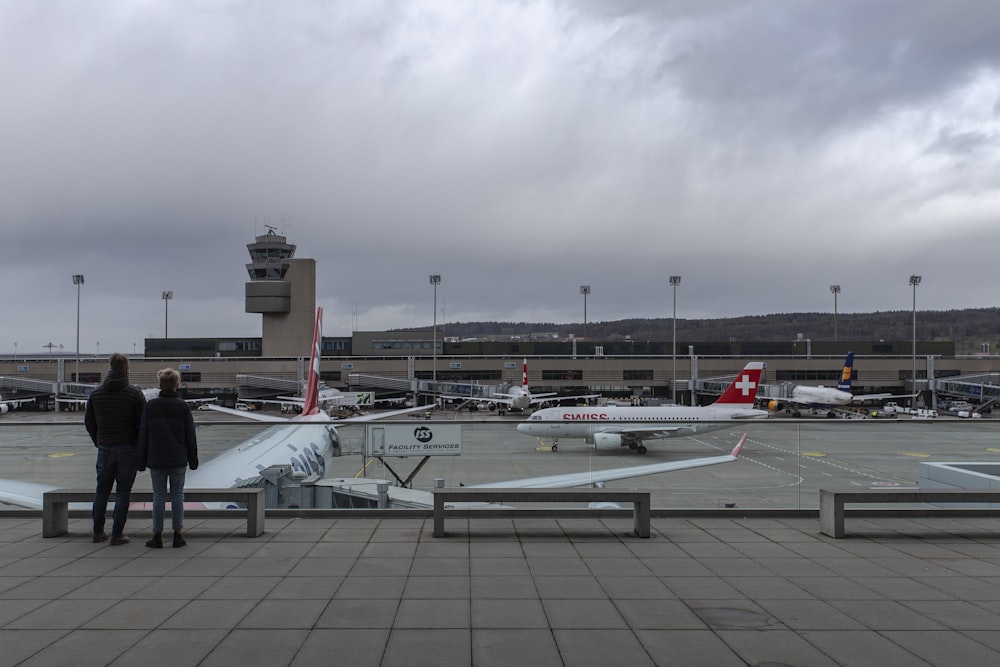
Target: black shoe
(118, 540)
(178, 540)
(100, 537)
(156, 542)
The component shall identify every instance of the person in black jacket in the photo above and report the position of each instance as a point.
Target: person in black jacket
(167, 446)
(112, 420)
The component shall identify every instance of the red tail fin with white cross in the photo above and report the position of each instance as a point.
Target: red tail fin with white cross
(743, 389)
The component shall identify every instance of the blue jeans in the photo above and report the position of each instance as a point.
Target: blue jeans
(159, 477)
(115, 468)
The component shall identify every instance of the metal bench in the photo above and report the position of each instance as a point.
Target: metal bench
(639, 500)
(831, 502)
(55, 505)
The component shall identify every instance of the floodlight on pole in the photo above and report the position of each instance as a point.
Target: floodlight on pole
(836, 290)
(435, 280)
(674, 282)
(167, 296)
(914, 281)
(78, 281)
(585, 290)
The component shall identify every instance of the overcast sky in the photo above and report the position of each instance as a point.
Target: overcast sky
(761, 150)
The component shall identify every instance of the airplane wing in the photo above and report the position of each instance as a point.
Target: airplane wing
(657, 432)
(599, 476)
(256, 416)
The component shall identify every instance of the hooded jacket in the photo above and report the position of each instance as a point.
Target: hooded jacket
(113, 412)
(166, 434)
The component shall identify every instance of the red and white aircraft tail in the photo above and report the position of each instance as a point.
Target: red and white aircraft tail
(311, 405)
(743, 390)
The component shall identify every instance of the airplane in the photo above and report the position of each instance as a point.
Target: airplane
(520, 398)
(628, 426)
(824, 398)
(6, 405)
(304, 441)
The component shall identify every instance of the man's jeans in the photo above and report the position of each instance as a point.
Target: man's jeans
(115, 468)
(159, 477)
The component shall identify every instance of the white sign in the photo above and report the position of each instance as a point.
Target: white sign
(428, 439)
(183, 367)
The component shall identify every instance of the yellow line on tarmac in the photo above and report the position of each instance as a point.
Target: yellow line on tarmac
(61, 455)
(919, 455)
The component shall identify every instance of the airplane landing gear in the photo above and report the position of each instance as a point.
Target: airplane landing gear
(555, 444)
(641, 449)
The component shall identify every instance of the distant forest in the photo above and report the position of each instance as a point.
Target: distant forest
(969, 328)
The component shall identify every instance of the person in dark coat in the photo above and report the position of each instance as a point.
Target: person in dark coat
(112, 420)
(167, 446)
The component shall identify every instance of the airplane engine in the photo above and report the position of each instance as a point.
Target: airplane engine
(775, 406)
(4, 408)
(491, 406)
(607, 441)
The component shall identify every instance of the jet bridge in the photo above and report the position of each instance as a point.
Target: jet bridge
(981, 388)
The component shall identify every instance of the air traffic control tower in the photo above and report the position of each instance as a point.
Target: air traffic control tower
(283, 290)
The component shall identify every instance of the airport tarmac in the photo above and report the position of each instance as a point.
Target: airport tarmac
(783, 465)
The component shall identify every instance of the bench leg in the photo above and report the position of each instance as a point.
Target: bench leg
(55, 518)
(255, 516)
(438, 516)
(640, 517)
(831, 515)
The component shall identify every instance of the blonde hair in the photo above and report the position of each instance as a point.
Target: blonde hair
(169, 379)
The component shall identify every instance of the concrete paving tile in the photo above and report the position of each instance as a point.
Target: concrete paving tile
(363, 613)
(656, 547)
(973, 567)
(264, 567)
(835, 588)
(560, 549)
(210, 614)
(491, 549)
(305, 588)
(498, 566)
(735, 567)
(33, 566)
(336, 550)
(602, 549)
(135, 614)
(508, 614)
(232, 549)
(7, 583)
(45, 587)
(371, 587)
(85, 648)
(956, 614)
(610, 566)
(988, 638)
(768, 588)
(774, 647)
(701, 588)
(676, 567)
(211, 567)
(427, 648)
(903, 588)
(600, 647)
(858, 647)
(284, 614)
(809, 615)
(569, 588)
(710, 550)
(915, 567)
(275, 549)
(503, 587)
(435, 613)
(856, 568)
(442, 549)
(389, 550)
(86, 567)
(658, 615)
(437, 587)
(765, 551)
(493, 647)
(886, 615)
(794, 567)
(176, 588)
(583, 614)
(13, 609)
(354, 647)
(60, 614)
(735, 614)
(635, 588)
(964, 588)
(380, 567)
(110, 588)
(250, 648)
(691, 648)
(240, 588)
(557, 566)
(944, 647)
(439, 567)
(19, 645)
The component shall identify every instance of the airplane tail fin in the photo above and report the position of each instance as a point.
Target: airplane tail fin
(846, 372)
(743, 389)
(311, 403)
(524, 375)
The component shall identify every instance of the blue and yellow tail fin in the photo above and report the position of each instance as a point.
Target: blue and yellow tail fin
(846, 372)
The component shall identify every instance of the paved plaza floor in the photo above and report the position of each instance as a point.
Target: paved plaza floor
(357, 592)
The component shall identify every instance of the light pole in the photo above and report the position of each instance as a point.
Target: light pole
(914, 281)
(674, 282)
(585, 290)
(167, 296)
(435, 281)
(78, 281)
(836, 290)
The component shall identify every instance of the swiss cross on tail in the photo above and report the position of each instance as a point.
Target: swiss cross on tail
(743, 389)
(311, 404)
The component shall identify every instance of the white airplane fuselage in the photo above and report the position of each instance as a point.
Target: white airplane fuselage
(821, 396)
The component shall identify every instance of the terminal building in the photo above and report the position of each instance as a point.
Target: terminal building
(282, 289)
